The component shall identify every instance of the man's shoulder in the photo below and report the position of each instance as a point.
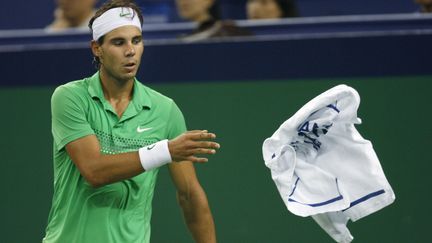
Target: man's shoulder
(76, 90)
(73, 87)
(155, 95)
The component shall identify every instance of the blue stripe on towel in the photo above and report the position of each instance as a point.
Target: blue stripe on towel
(362, 199)
(295, 186)
(333, 107)
(340, 197)
(319, 204)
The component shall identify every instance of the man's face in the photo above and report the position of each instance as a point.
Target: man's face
(263, 9)
(75, 8)
(192, 9)
(120, 54)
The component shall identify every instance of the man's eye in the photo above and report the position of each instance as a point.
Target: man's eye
(136, 40)
(117, 42)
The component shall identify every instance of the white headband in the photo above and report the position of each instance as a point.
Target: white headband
(114, 18)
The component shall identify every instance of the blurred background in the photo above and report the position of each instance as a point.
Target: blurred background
(241, 84)
(21, 14)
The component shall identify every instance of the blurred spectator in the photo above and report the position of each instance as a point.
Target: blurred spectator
(72, 14)
(271, 9)
(206, 13)
(425, 5)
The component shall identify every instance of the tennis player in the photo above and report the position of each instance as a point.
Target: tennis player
(111, 135)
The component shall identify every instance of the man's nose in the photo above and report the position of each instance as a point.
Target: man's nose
(130, 50)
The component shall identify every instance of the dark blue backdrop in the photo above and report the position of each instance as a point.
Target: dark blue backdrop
(24, 14)
(386, 45)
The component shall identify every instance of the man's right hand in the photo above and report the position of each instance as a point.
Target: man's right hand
(192, 143)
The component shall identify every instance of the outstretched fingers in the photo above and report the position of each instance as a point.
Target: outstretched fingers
(206, 144)
(191, 144)
(203, 151)
(200, 135)
(195, 159)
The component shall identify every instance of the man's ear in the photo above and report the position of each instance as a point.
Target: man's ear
(96, 49)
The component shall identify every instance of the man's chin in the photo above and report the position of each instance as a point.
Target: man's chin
(129, 75)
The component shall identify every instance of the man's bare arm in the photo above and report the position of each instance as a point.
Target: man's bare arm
(193, 202)
(100, 169)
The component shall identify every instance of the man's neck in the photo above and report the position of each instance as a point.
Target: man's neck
(117, 92)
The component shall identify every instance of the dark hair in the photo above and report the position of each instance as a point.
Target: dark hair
(107, 6)
(288, 7)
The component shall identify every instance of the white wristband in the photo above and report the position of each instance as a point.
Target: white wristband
(155, 155)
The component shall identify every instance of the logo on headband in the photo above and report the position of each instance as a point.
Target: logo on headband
(127, 13)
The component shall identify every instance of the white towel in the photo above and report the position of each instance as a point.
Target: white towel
(323, 167)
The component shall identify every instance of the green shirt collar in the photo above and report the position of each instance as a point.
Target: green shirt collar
(140, 98)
